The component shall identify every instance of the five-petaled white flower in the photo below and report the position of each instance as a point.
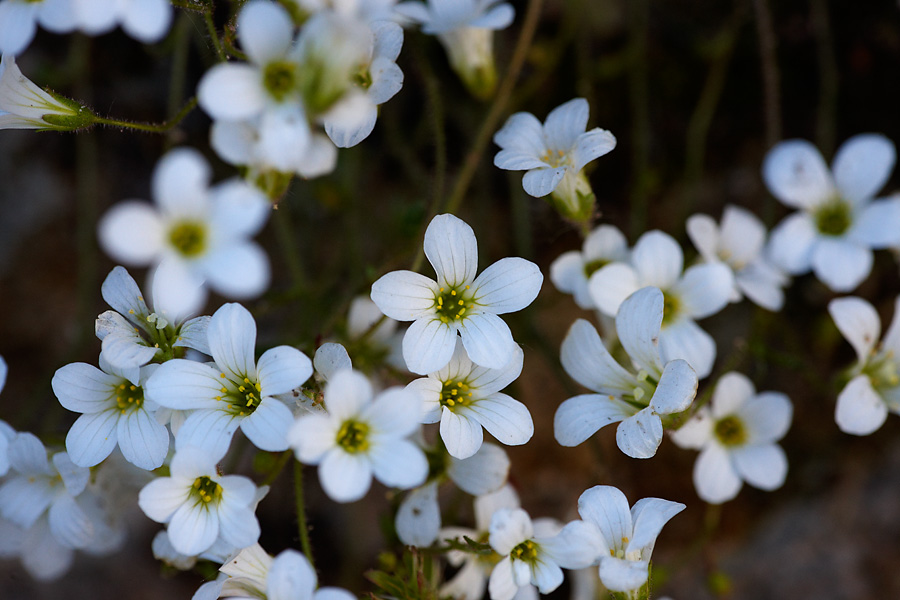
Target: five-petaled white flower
(701, 291)
(361, 436)
(739, 242)
(736, 437)
(532, 557)
(838, 225)
(199, 505)
(874, 387)
(635, 401)
(465, 397)
(196, 235)
(571, 271)
(23, 105)
(554, 155)
(234, 392)
(626, 536)
(458, 301)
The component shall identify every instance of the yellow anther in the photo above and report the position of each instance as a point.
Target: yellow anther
(222, 375)
(241, 388)
(461, 303)
(258, 387)
(452, 292)
(133, 388)
(450, 402)
(122, 387)
(453, 392)
(249, 401)
(130, 311)
(224, 390)
(246, 380)
(467, 287)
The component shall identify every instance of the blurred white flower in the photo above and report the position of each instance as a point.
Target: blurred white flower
(145, 20)
(839, 224)
(736, 437)
(572, 270)
(19, 20)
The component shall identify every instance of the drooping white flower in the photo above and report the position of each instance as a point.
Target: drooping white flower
(418, 519)
(532, 558)
(367, 10)
(196, 235)
(114, 413)
(627, 536)
(145, 20)
(465, 397)
(635, 401)
(19, 20)
(736, 437)
(133, 334)
(554, 154)
(236, 391)
(199, 505)
(838, 224)
(23, 105)
(465, 28)
(701, 291)
(361, 436)
(874, 387)
(739, 242)
(457, 302)
(572, 270)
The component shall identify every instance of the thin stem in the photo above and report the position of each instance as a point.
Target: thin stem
(214, 35)
(150, 127)
(302, 526)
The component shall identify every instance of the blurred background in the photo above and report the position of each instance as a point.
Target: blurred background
(695, 92)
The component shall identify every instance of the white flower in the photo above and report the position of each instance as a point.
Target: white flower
(114, 413)
(530, 557)
(458, 301)
(361, 436)
(145, 20)
(736, 437)
(874, 387)
(627, 537)
(199, 505)
(23, 105)
(701, 291)
(554, 155)
(234, 392)
(739, 243)
(465, 29)
(839, 224)
(418, 519)
(572, 270)
(40, 486)
(379, 77)
(465, 397)
(133, 334)
(634, 401)
(195, 235)
(19, 20)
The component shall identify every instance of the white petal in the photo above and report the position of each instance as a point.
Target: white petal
(17, 27)
(705, 289)
(345, 477)
(502, 583)
(144, 442)
(543, 180)
(70, 526)
(147, 20)
(841, 265)
(521, 132)
(587, 361)
(676, 389)
(398, 463)
(565, 123)
(131, 232)
(733, 391)
(126, 352)
(239, 270)
(743, 235)
(638, 326)
(546, 575)
(234, 141)
(347, 135)
(791, 243)
(452, 250)
(860, 410)
(404, 295)
(704, 234)
(767, 417)
(160, 498)
(796, 174)
(489, 381)
(428, 345)
(232, 341)
(508, 285)
(267, 427)
(84, 388)
(92, 438)
(74, 477)
(183, 385)
(649, 515)
(193, 528)
(284, 136)
(610, 285)
(607, 508)
(658, 259)
(506, 419)
(620, 575)
(311, 436)
(762, 284)
(863, 164)
(387, 78)
(891, 339)
(686, 340)
(763, 466)
(580, 417)
(122, 293)
(331, 358)
(239, 209)
(231, 91)
(714, 476)
(346, 394)
(180, 182)
(419, 517)
(265, 31)
(462, 434)
(281, 369)
(395, 412)
(568, 276)
(509, 527)
(517, 160)
(290, 576)
(497, 17)
(487, 340)
(639, 436)
(238, 526)
(208, 430)
(482, 473)
(877, 225)
(577, 546)
(592, 144)
(28, 456)
(858, 321)
(177, 288)
(193, 334)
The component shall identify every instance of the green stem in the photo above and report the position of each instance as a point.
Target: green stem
(302, 526)
(150, 127)
(214, 35)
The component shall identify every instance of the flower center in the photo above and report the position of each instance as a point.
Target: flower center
(206, 490)
(527, 551)
(188, 238)
(244, 397)
(451, 304)
(555, 158)
(882, 371)
(593, 266)
(730, 431)
(129, 397)
(834, 217)
(671, 307)
(363, 78)
(455, 394)
(280, 79)
(353, 436)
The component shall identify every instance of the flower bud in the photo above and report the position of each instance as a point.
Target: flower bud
(23, 105)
